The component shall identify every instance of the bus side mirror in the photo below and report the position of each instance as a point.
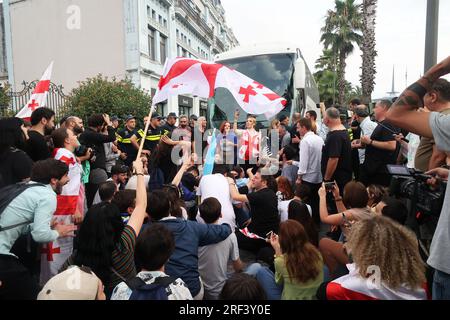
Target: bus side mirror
(299, 74)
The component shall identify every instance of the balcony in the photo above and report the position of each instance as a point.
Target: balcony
(194, 20)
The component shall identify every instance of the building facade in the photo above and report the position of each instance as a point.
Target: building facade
(115, 38)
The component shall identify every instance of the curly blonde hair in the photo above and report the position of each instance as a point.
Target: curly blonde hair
(392, 247)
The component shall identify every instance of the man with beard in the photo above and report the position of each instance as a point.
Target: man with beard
(67, 209)
(31, 212)
(182, 133)
(42, 125)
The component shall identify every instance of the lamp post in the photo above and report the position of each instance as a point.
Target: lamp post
(431, 34)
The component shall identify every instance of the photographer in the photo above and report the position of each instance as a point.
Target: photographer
(432, 125)
(94, 138)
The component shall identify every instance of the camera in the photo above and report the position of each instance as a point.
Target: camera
(412, 184)
(82, 150)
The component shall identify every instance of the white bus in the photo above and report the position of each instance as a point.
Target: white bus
(281, 68)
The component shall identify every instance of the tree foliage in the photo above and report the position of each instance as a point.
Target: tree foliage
(340, 33)
(114, 97)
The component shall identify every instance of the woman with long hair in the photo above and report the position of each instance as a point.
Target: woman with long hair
(15, 163)
(298, 265)
(386, 264)
(227, 144)
(284, 189)
(298, 211)
(352, 207)
(105, 244)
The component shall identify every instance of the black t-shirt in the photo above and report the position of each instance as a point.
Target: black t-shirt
(96, 141)
(264, 211)
(357, 132)
(15, 166)
(37, 147)
(377, 159)
(337, 145)
(168, 129)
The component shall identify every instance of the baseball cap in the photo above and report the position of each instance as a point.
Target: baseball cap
(156, 115)
(119, 168)
(115, 118)
(129, 117)
(172, 114)
(75, 283)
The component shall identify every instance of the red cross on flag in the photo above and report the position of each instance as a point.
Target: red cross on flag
(39, 96)
(201, 78)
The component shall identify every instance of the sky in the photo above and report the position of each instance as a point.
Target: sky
(400, 34)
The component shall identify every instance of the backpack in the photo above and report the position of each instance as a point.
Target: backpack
(153, 291)
(9, 193)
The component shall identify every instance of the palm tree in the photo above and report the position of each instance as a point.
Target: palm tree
(340, 33)
(368, 50)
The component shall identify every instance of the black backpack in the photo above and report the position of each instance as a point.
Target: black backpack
(9, 193)
(154, 291)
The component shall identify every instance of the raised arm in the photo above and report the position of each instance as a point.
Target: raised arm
(139, 212)
(403, 113)
(234, 193)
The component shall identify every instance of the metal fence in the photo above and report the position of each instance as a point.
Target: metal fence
(55, 99)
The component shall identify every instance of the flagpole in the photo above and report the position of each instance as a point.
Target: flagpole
(141, 147)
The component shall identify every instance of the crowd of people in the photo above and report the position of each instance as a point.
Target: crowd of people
(304, 214)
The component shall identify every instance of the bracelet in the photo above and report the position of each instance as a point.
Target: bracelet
(338, 199)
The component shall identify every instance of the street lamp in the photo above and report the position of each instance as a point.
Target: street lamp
(431, 34)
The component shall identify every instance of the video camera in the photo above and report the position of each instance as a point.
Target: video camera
(412, 184)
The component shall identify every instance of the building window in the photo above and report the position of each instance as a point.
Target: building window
(148, 11)
(184, 110)
(189, 42)
(163, 49)
(165, 23)
(161, 109)
(153, 14)
(160, 20)
(151, 44)
(203, 108)
(178, 34)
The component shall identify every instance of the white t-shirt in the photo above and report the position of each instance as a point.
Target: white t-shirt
(283, 207)
(216, 186)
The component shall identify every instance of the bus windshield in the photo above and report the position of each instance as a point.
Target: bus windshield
(274, 71)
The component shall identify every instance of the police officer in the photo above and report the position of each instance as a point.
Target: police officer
(124, 139)
(152, 136)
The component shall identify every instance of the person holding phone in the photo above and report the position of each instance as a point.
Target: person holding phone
(353, 206)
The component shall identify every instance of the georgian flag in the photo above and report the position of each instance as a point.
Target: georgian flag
(55, 253)
(250, 235)
(39, 96)
(353, 287)
(201, 78)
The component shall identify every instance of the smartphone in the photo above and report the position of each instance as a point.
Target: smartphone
(329, 186)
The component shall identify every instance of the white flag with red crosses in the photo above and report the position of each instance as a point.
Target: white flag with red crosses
(201, 78)
(39, 96)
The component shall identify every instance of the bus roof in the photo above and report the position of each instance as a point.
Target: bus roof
(256, 50)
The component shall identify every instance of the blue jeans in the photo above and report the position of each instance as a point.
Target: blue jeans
(266, 279)
(441, 285)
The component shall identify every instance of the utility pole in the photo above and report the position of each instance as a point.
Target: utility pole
(431, 34)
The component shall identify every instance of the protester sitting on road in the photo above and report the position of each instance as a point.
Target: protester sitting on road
(386, 264)
(352, 207)
(298, 265)
(376, 193)
(106, 191)
(241, 286)
(189, 235)
(299, 211)
(105, 244)
(213, 259)
(154, 247)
